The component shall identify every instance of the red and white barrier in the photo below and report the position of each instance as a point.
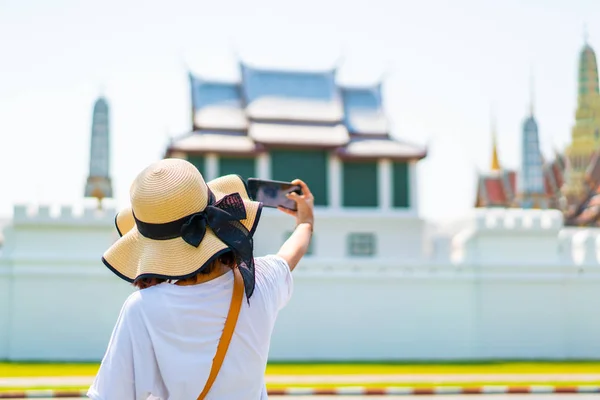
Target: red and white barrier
(354, 391)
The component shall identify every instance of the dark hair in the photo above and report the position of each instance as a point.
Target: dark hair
(227, 259)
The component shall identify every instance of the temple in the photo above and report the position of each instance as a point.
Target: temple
(536, 185)
(278, 124)
(496, 188)
(570, 182)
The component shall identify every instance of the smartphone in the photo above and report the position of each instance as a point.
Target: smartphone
(272, 193)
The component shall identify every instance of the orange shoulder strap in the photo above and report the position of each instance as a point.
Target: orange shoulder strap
(230, 322)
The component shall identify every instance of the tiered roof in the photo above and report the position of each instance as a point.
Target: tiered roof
(298, 109)
(587, 213)
(498, 187)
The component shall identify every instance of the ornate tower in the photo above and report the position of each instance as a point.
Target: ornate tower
(530, 186)
(585, 136)
(98, 182)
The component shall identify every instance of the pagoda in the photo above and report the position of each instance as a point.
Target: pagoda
(283, 124)
(585, 136)
(582, 186)
(536, 185)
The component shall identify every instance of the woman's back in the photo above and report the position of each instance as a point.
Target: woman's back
(166, 337)
(180, 227)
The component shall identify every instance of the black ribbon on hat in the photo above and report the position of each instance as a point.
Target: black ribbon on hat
(223, 218)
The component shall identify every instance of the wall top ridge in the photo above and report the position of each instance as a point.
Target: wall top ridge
(45, 213)
(517, 219)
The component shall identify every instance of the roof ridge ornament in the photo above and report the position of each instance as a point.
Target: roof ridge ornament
(495, 159)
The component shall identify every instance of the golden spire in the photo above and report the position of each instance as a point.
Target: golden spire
(495, 159)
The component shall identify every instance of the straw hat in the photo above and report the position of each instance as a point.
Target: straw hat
(178, 224)
(124, 221)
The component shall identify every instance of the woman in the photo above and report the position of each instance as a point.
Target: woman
(187, 334)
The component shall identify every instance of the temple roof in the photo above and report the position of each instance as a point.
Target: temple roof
(214, 142)
(496, 189)
(291, 95)
(298, 134)
(290, 108)
(363, 111)
(381, 148)
(217, 105)
(588, 213)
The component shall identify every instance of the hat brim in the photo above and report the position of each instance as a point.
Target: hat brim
(124, 221)
(134, 256)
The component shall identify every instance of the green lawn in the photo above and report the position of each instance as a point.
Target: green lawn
(441, 368)
(9, 369)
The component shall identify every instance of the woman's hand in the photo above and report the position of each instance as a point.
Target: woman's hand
(304, 204)
(297, 245)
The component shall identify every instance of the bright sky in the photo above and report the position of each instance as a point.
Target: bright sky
(448, 64)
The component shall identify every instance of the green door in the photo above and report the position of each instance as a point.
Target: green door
(243, 166)
(401, 179)
(308, 165)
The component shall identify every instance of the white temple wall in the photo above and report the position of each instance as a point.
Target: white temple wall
(5, 307)
(440, 315)
(399, 235)
(58, 302)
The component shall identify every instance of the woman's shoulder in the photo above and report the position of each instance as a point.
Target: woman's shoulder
(270, 261)
(274, 280)
(140, 297)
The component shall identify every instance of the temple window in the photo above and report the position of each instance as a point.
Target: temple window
(361, 244)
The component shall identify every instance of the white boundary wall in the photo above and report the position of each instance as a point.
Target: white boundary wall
(508, 284)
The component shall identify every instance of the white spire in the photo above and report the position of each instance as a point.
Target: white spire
(531, 92)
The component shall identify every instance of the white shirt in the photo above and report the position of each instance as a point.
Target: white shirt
(166, 336)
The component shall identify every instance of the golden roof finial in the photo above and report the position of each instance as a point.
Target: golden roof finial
(495, 159)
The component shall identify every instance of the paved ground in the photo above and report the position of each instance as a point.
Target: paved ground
(444, 397)
(450, 397)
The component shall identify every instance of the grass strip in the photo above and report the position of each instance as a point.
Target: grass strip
(17, 369)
